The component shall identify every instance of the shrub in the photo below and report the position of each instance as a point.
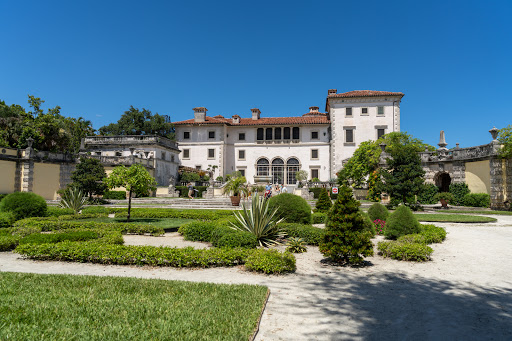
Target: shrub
(378, 211)
(459, 190)
(161, 213)
(6, 219)
(261, 221)
(96, 210)
(38, 238)
(317, 190)
(54, 211)
(380, 226)
(369, 225)
(324, 203)
(310, 234)
(9, 242)
(426, 196)
(24, 205)
(189, 177)
(291, 207)
(197, 230)
(218, 232)
(448, 197)
(433, 234)
(115, 195)
(346, 239)
(296, 245)
(2, 196)
(270, 261)
(402, 250)
(474, 200)
(237, 239)
(401, 222)
(318, 218)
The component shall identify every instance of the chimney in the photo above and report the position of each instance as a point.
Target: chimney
(331, 92)
(200, 114)
(313, 109)
(256, 113)
(235, 119)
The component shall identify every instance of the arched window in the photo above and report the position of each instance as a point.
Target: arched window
(262, 167)
(292, 167)
(277, 171)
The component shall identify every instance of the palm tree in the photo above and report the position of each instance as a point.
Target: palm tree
(235, 187)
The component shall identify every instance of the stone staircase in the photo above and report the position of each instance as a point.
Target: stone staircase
(180, 203)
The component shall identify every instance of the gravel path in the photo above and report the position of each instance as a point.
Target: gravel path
(464, 293)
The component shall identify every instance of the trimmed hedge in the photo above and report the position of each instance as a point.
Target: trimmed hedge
(378, 211)
(218, 233)
(291, 207)
(401, 222)
(477, 200)
(270, 261)
(237, 239)
(318, 218)
(459, 190)
(115, 195)
(54, 211)
(161, 213)
(8, 242)
(316, 192)
(405, 250)
(6, 219)
(39, 238)
(197, 230)
(24, 205)
(310, 234)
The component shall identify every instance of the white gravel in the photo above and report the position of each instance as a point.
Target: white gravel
(464, 293)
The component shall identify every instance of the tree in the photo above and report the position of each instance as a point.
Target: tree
(505, 138)
(88, 177)
(140, 122)
(346, 240)
(324, 203)
(404, 177)
(136, 179)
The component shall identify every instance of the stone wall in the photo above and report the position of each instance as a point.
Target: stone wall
(501, 184)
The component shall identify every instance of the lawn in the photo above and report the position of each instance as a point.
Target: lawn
(166, 223)
(452, 218)
(66, 307)
(483, 212)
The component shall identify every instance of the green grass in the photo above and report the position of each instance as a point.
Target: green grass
(452, 218)
(65, 307)
(483, 212)
(165, 223)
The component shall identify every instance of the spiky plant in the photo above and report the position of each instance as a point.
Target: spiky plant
(73, 198)
(296, 245)
(260, 220)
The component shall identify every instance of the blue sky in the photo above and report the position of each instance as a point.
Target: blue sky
(452, 59)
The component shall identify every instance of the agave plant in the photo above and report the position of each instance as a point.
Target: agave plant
(259, 221)
(296, 245)
(73, 198)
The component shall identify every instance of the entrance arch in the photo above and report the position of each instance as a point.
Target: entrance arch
(443, 181)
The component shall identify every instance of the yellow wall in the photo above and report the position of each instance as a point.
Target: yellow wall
(478, 176)
(46, 180)
(7, 174)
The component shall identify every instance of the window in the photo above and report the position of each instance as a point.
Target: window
(98, 153)
(241, 136)
(314, 135)
(268, 134)
(292, 167)
(349, 135)
(259, 134)
(211, 134)
(186, 153)
(172, 158)
(211, 153)
(277, 134)
(242, 172)
(262, 167)
(314, 173)
(286, 133)
(241, 154)
(348, 111)
(163, 156)
(364, 111)
(380, 110)
(380, 133)
(314, 154)
(296, 133)
(186, 135)
(119, 154)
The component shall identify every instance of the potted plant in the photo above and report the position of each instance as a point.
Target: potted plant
(445, 198)
(234, 187)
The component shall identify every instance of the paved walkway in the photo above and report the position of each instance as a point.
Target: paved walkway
(465, 293)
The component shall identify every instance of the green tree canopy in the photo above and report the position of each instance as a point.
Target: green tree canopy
(136, 179)
(505, 138)
(88, 177)
(140, 122)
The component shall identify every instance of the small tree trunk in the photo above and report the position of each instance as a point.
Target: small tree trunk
(129, 204)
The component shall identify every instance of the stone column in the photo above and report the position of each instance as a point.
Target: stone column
(27, 168)
(498, 181)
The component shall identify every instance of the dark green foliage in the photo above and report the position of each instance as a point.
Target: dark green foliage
(189, 177)
(459, 190)
(291, 207)
(6, 219)
(24, 205)
(378, 211)
(476, 200)
(369, 225)
(324, 203)
(403, 175)
(88, 177)
(318, 218)
(96, 210)
(237, 239)
(426, 196)
(430, 234)
(346, 240)
(2, 196)
(446, 196)
(403, 250)
(310, 234)
(184, 191)
(317, 190)
(38, 238)
(197, 230)
(401, 222)
(218, 233)
(270, 261)
(54, 211)
(161, 213)
(114, 195)
(8, 242)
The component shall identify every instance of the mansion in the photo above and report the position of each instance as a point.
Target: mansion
(273, 149)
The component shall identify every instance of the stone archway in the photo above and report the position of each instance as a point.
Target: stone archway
(443, 181)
